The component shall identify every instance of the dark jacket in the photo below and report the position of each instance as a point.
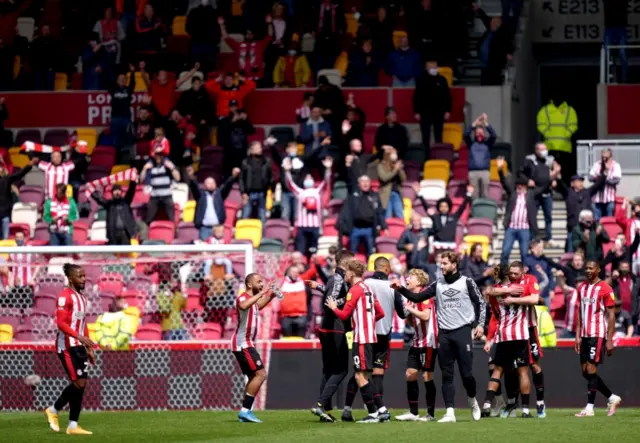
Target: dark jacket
(531, 261)
(219, 195)
(337, 289)
(494, 46)
(196, 104)
(306, 133)
(578, 201)
(349, 217)
(232, 136)
(432, 97)
(202, 25)
(246, 176)
(122, 207)
(593, 248)
(479, 151)
(363, 69)
(537, 169)
(571, 274)
(121, 99)
(404, 65)
(627, 254)
(512, 196)
(474, 269)
(445, 232)
(6, 197)
(395, 135)
(409, 236)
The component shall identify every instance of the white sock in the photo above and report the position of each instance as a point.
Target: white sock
(382, 410)
(244, 410)
(374, 414)
(486, 405)
(540, 403)
(73, 424)
(511, 401)
(525, 410)
(347, 408)
(589, 407)
(53, 409)
(613, 396)
(450, 411)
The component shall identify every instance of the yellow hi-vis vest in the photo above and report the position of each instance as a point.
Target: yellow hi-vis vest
(115, 329)
(546, 328)
(557, 124)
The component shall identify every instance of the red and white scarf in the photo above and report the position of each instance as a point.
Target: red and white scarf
(60, 214)
(249, 49)
(101, 183)
(47, 149)
(333, 19)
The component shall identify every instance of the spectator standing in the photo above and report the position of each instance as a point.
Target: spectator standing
(615, 31)
(445, 223)
(111, 35)
(143, 130)
(300, 167)
(361, 216)
(392, 133)
(540, 268)
(149, 32)
(413, 236)
(623, 283)
(572, 306)
(475, 266)
(281, 41)
(121, 224)
(573, 272)
(295, 306)
(233, 132)
(624, 324)
(577, 199)
(7, 180)
(304, 111)
(210, 210)
(631, 228)
(171, 303)
(520, 214)
(620, 252)
(604, 200)
(541, 170)
(291, 70)
(121, 96)
(195, 104)
(381, 32)
(432, 103)
(256, 177)
(364, 66)
(391, 176)
(354, 123)
(163, 90)
(331, 26)
(92, 65)
(309, 206)
(495, 47)
(45, 57)
(480, 154)
(404, 65)
(59, 213)
(330, 99)
(250, 53)
(57, 172)
(589, 236)
(21, 278)
(315, 130)
(159, 173)
(205, 35)
(226, 90)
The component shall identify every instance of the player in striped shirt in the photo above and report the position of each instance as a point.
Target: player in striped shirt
(364, 310)
(423, 351)
(512, 335)
(75, 349)
(248, 305)
(594, 334)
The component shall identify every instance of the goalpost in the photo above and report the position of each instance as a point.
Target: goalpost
(182, 298)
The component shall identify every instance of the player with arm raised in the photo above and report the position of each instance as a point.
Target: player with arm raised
(461, 313)
(594, 334)
(74, 347)
(423, 351)
(364, 311)
(248, 305)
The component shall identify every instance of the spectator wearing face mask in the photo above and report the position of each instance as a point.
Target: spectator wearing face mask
(480, 154)
(604, 201)
(6, 194)
(541, 170)
(589, 236)
(59, 213)
(391, 176)
(413, 239)
(292, 69)
(445, 223)
(314, 131)
(309, 206)
(432, 103)
(121, 224)
(631, 228)
(256, 177)
(474, 266)
(392, 133)
(295, 307)
(539, 267)
(621, 252)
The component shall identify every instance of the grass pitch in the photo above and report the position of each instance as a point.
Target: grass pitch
(301, 426)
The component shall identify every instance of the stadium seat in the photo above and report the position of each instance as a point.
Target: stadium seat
(334, 76)
(416, 153)
(149, 332)
(186, 233)
(329, 227)
(408, 191)
(98, 231)
(452, 134)
(460, 171)
(397, 36)
(447, 73)
(6, 333)
(141, 86)
(433, 189)
(270, 245)
(45, 303)
(9, 243)
(484, 208)
(80, 232)
(14, 228)
(25, 213)
(60, 82)
(441, 151)
(495, 192)
(324, 243)
(609, 224)
(437, 170)
(339, 191)
(18, 159)
(180, 194)
(352, 24)
(456, 189)
(134, 298)
(342, 63)
(25, 333)
(493, 171)
(208, 331)
(387, 245)
(231, 209)
(117, 168)
(278, 229)
(396, 227)
(90, 136)
(249, 229)
(56, 137)
(334, 207)
(480, 226)
(179, 25)
(373, 257)
(26, 27)
(27, 135)
(32, 194)
(111, 283)
(189, 211)
(284, 134)
(472, 239)
(163, 230)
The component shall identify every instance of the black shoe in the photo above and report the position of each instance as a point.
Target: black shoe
(485, 413)
(526, 415)
(347, 416)
(320, 412)
(384, 417)
(509, 410)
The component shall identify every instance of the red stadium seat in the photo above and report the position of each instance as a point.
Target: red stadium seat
(609, 224)
(329, 228)
(80, 232)
(279, 230)
(208, 331)
(134, 297)
(396, 227)
(14, 228)
(480, 226)
(387, 245)
(111, 283)
(162, 230)
(45, 303)
(149, 332)
(231, 209)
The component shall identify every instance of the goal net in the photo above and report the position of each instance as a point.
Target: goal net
(163, 316)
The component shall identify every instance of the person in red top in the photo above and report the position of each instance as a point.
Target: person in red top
(594, 334)
(163, 89)
(249, 53)
(364, 310)
(75, 349)
(160, 143)
(226, 91)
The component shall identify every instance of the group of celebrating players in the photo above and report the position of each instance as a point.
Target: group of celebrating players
(446, 315)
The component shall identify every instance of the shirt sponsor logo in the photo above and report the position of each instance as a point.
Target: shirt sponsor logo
(61, 302)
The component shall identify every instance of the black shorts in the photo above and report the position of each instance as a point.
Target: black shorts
(511, 354)
(249, 361)
(362, 356)
(592, 350)
(75, 361)
(335, 352)
(534, 345)
(381, 352)
(422, 359)
(492, 354)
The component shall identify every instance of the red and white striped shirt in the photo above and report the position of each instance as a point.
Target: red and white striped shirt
(426, 332)
(513, 323)
(248, 325)
(54, 175)
(634, 227)
(608, 193)
(572, 306)
(519, 219)
(21, 269)
(309, 203)
(531, 282)
(70, 315)
(365, 310)
(594, 301)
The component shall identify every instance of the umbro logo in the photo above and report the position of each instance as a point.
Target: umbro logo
(451, 292)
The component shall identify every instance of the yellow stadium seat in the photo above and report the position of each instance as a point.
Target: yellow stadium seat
(397, 35)
(6, 333)
(90, 136)
(119, 168)
(292, 338)
(300, 149)
(18, 159)
(469, 240)
(269, 203)
(17, 66)
(5, 244)
(141, 86)
(179, 25)
(407, 206)
(447, 73)
(237, 8)
(249, 229)
(15, 150)
(352, 24)
(372, 259)
(436, 170)
(134, 242)
(342, 63)
(493, 171)
(69, 191)
(92, 331)
(214, 137)
(452, 133)
(60, 82)
(189, 211)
